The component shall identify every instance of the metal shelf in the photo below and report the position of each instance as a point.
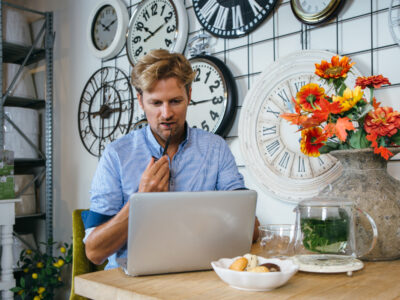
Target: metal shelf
(25, 102)
(26, 165)
(15, 54)
(30, 217)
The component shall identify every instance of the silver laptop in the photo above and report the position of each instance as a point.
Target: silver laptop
(185, 231)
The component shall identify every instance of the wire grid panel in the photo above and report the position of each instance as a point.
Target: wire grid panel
(360, 31)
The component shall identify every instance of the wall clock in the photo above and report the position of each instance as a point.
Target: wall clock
(313, 12)
(214, 96)
(105, 109)
(106, 28)
(270, 145)
(232, 18)
(157, 24)
(394, 20)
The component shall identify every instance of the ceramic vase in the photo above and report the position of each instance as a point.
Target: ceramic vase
(365, 181)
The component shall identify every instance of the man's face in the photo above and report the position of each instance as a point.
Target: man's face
(165, 107)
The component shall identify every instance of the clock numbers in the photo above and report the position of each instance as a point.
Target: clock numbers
(153, 26)
(268, 130)
(234, 18)
(272, 148)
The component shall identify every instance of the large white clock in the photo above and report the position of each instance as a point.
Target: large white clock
(270, 145)
(106, 28)
(157, 24)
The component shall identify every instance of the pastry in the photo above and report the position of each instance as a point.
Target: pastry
(239, 264)
(252, 261)
(272, 267)
(258, 269)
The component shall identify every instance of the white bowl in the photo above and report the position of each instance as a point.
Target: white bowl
(250, 281)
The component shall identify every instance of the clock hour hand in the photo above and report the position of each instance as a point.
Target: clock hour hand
(152, 32)
(104, 112)
(192, 102)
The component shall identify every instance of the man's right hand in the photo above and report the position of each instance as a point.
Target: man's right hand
(156, 176)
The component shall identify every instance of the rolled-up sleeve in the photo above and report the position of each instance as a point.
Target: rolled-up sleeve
(106, 190)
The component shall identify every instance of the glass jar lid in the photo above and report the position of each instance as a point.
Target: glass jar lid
(326, 201)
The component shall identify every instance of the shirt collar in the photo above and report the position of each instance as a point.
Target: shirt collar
(155, 146)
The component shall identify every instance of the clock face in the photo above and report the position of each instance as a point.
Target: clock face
(314, 12)
(105, 109)
(270, 145)
(213, 102)
(156, 24)
(104, 27)
(394, 20)
(232, 18)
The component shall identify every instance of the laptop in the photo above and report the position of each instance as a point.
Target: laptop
(184, 231)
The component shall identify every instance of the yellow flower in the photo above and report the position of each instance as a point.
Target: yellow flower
(36, 298)
(20, 292)
(39, 265)
(63, 250)
(34, 275)
(28, 251)
(60, 262)
(56, 265)
(59, 278)
(26, 270)
(41, 290)
(349, 99)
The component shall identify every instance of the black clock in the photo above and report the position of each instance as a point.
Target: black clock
(105, 109)
(232, 18)
(214, 96)
(313, 12)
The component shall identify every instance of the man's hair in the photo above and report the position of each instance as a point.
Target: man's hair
(161, 64)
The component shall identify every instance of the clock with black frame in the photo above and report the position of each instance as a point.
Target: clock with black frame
(105, 109)
(232, 18)
(214, 94)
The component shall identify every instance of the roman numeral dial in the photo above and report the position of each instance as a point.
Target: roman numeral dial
(232, 18)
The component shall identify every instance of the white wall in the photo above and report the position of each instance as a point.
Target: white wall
(74, 64)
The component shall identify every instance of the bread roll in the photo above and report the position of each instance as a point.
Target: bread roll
(239, 264)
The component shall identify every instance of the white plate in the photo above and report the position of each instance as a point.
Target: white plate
(249, 281)
(327, 263)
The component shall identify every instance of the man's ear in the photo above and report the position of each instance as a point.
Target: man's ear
(140, 99)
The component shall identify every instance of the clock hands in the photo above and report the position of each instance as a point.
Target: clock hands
(108, 26)
(152, 32)
(192, 102)
(105, 112)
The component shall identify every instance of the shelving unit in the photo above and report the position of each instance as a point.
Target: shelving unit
(41, 167)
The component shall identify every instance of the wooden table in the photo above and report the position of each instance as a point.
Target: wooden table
(378, 280)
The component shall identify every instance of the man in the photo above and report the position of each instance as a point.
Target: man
(195, 160)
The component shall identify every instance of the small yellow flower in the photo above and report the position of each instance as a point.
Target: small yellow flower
(20, 292)
(60, 262)
(41, 290)
(59, 278)
(28, 251)
(39, 265)
(26, 270)
(63, 250)
(349, 99)
(56, 265)
(36, 298)
(34, 275)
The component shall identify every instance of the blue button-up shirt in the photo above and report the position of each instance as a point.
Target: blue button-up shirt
(203, 162)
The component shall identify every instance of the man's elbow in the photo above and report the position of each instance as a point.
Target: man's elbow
(94, 256)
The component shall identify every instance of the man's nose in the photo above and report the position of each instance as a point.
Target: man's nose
(166, 111)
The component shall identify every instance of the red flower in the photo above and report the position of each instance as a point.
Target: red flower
(335, 69)
(309, 97)
(372, 81)
(383, 121)
(308, 144)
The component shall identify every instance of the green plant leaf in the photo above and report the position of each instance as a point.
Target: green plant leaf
(22, 282)
(16, 289)
(396, 138)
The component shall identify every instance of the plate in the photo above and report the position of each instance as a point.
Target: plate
(327, 263)
(255, 282)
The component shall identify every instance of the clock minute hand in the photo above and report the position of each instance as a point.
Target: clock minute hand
(151, 33)
(108, 26)
(192, 102)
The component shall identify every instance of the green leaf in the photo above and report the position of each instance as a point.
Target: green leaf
(22, 282)
(358, 140)
(396, 138)
(16, 289)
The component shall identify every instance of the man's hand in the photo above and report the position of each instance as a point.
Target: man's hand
(156, 176)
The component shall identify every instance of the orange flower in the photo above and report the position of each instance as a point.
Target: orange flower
(372, 81)
(308, 144)
(309, 96)
(383, 121)
(335, 69)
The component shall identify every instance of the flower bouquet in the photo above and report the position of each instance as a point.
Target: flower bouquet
(346, 119)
